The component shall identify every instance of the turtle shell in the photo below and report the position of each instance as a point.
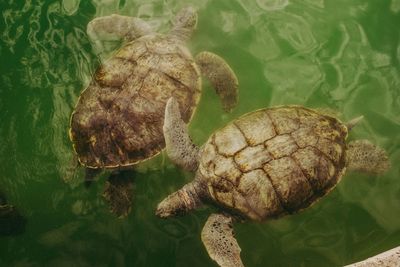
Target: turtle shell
(274, 161)
(119, 117)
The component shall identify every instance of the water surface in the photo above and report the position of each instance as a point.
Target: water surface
(337, 54)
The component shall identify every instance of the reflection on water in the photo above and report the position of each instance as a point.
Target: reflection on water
(342, 55)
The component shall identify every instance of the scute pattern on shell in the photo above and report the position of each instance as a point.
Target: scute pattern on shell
(119, 116)
(275, 161)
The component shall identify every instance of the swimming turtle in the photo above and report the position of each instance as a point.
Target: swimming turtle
(266, 164)
(117, 121)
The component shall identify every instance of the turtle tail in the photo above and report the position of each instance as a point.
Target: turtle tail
(353, 122)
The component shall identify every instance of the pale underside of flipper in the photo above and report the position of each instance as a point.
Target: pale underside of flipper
(363, 156)
(179, 146)
(222, 78)
(218, 238)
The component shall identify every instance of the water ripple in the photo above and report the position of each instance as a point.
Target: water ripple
(342, 54)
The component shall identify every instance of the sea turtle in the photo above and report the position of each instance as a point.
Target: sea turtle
(117, 121)
(266, 164)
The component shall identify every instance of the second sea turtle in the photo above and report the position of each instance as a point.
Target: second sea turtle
(266, 164)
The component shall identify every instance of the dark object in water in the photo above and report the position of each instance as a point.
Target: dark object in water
(11, 221)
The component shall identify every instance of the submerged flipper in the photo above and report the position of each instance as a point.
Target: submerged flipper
(118, 193)
(184, 23)
(179, 146)
(366, 157)
(220, 242)
(221, 77)
(115, 27)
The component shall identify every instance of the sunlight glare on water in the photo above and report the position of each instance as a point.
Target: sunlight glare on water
(341, 55)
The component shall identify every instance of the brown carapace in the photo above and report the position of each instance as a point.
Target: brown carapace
(118, 119)
(274, 161)
(263, 165)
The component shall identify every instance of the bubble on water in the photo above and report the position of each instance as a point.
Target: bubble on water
(270, 5)
(70, 6)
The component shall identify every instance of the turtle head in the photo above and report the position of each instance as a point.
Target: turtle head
(184, 23)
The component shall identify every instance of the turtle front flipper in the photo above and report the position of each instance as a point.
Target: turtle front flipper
(118, 193)
(187, 198)
(221, 77)
(220, 242)
(114, 28)
(366, 157)
(179, 146)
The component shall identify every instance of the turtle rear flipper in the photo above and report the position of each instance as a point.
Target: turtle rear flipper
(366, 157)
(220, 242)
(221, 77)
(118, 193)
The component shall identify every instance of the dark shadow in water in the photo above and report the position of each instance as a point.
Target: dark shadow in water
(11, 221)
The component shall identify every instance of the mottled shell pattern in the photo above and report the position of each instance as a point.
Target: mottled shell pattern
(274, 161)
(118, 118)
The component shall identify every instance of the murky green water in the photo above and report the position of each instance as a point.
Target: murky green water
(341, 54)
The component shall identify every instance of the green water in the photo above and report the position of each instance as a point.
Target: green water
(340, 54)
